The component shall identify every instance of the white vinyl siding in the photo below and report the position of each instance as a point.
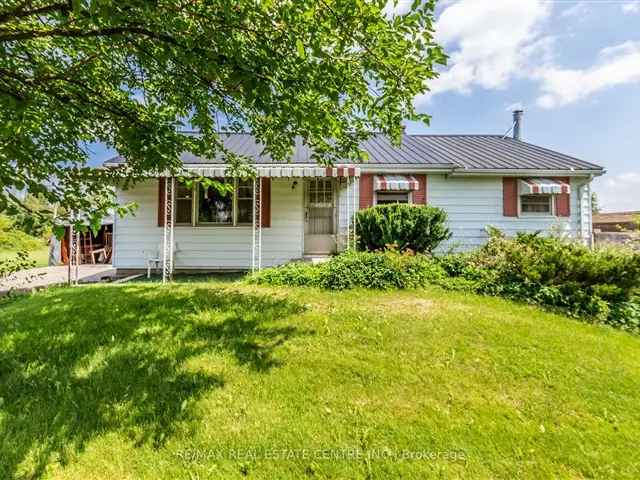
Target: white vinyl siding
(473, 203)
(138, 237)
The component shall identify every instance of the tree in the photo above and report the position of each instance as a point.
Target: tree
(595, 205)
(135, 75)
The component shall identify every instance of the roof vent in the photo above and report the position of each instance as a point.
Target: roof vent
(517, 124)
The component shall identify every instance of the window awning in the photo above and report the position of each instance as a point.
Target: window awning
(395, 182)
(534, 186)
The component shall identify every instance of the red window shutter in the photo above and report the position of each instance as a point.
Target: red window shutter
(563, 200)
(161, 198)
(510, 196)
(265, 203)
(420, 195)
(366, 190)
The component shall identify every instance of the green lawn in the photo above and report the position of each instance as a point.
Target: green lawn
(39, 256)
(222, 380)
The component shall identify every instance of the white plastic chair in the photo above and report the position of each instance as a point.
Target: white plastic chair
(155, 260)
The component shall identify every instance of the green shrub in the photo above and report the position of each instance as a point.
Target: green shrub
(420, 228)
(20, 261)
(379, 270)
(599, 284)
(295, 274)
(11, 238)
(356, 269)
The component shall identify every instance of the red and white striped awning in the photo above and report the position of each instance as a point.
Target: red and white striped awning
(534, 186)
(395, 182)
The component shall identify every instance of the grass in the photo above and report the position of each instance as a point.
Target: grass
(40, 256)
(222, 380)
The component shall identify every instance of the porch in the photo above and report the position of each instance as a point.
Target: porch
(285, 214)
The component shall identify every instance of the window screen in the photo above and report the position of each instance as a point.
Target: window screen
(384, 198)
(535, 204)
(184, 204)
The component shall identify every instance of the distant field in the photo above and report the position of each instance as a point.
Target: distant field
(40, 256)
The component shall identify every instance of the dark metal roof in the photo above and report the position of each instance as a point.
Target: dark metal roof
(464, 152)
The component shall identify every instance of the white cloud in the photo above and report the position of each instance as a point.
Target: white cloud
(618, 192)
(631, 7)
(395, 8)
(577, 10)
(616, 65)
(488, 42)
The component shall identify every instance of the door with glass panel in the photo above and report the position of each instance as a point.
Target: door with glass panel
(320, 216)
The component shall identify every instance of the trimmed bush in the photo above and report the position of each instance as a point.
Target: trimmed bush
(356, 269)
(599, 284)
(419, 228)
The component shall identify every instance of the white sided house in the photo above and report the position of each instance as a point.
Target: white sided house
(297, 210)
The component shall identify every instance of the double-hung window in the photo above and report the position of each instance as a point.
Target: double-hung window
(184, 204)
(204, 205)
(538, 204)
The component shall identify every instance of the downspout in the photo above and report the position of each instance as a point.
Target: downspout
(585, 228)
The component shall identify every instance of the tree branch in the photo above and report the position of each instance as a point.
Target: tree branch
(21, 13)
(77, 33)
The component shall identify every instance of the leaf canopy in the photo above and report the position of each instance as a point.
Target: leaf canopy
(140, 75)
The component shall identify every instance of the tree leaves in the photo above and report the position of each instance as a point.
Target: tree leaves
(300, 48)
(137, 76)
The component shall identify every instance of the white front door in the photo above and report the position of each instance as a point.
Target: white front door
(320, 216)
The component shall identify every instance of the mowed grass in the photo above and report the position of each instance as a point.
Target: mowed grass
(39, 256)
(223, 380)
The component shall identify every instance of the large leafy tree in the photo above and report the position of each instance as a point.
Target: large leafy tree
(135, 74)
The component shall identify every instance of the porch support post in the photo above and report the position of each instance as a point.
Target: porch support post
(348, 216)
(355, 211)
(167, 231)
(253, 229)
(172, 215)
(70, 253)
(259, 223)
(76, 255)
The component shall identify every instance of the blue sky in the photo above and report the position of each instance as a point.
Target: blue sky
(574, 66)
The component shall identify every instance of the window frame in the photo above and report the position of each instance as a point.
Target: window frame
(409, 194)
(236, 197)
(175, 207)
(552, 206)
(195, 206)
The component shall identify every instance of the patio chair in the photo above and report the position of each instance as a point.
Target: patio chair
(155, 260)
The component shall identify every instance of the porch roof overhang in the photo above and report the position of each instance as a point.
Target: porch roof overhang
(281, 171)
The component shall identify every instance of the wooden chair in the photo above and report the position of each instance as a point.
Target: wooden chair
(86, 248)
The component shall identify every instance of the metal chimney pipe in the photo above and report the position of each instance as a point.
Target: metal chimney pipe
(517, 124)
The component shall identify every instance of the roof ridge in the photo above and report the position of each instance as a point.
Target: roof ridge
(453, 135)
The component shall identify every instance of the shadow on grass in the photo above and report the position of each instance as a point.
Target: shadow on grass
(79, 363)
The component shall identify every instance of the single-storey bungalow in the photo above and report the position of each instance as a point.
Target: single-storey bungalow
(299, 209)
